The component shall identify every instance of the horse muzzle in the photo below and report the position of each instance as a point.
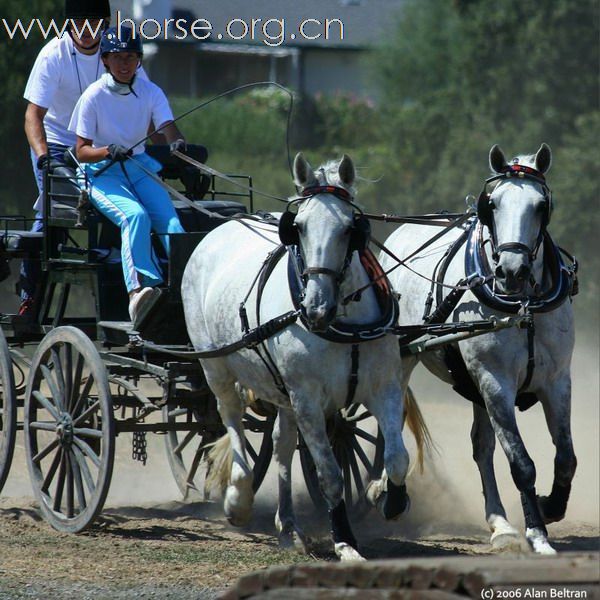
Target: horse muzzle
(511, 280)
(319, 318)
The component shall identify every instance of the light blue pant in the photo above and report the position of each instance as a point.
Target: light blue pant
(137, 204)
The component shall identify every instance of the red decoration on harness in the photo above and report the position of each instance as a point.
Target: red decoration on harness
(523, 169)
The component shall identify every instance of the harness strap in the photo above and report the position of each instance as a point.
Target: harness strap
(261, 348)
(353, 381)
(530, 353)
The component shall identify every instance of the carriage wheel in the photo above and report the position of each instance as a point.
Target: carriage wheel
(186, 450)
(69, 429)
(359, 454)
(8, 410)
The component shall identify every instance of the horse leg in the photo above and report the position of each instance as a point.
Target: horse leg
(284, 445)
(499, 399)
(504, 535)
(311, 422)
(239, 495)
(388, 494)
(557, 408)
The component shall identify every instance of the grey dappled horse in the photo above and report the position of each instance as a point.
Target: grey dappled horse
(514, 244)
(315, 371)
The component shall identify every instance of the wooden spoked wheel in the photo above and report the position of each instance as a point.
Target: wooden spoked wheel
(358, 449)
(69, 429)
(8, 410)
(186, 450)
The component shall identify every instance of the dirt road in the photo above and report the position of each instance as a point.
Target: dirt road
(150, 546)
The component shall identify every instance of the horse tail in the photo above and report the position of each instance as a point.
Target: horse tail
(416, 423)
(219, 462)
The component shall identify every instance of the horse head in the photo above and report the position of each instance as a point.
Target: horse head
(326, 229)
(516, 212)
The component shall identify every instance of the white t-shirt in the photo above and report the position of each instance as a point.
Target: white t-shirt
(58, 78)
(107, 117)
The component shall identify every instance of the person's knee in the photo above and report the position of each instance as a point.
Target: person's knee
(174, 225)
(136, 214)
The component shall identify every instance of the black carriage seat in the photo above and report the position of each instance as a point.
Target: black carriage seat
(196, 184)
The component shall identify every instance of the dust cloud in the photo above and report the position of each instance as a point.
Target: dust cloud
(446, 497)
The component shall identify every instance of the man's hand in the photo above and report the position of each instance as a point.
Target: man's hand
(118, 153)
(178, 146)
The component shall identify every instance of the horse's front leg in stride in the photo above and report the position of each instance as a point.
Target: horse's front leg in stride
(557, 408)
(389, 494)
(500, 406)
(284, 445)
(504, 535)
(311, 422)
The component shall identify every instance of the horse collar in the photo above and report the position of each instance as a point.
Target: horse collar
(563, 277)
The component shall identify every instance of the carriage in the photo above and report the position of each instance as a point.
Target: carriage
(75, 376)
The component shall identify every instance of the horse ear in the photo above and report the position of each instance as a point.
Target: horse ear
(303, 172)
(543, 158)
(497, 159)
(346, 170)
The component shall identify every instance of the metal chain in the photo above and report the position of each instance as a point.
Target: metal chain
(139, 445)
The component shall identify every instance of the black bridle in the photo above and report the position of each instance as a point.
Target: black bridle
(486, 216)
(289, 236)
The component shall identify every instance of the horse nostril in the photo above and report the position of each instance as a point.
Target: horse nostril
(500, 272)
(522, 273)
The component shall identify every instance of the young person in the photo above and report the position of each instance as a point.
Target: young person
(63, 70)
(110, 118)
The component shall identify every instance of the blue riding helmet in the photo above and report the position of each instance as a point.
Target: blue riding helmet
(128, 42)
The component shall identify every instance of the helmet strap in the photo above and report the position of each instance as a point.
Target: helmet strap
(120, 87)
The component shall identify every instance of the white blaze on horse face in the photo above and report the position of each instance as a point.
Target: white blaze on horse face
(518, 213)
(324, 225)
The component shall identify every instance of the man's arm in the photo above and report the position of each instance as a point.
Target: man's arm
(34, 128)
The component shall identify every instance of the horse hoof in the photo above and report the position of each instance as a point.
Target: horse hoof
(346, 553)
(539, 542)
(546, 508)
(508, 542)
(293, 539)
(237, 514)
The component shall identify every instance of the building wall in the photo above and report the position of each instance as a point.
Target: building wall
(330, 71)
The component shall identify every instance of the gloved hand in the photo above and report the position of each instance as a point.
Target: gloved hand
(178, 146)
(118, 153)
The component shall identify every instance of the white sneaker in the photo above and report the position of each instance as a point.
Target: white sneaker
(141, 303)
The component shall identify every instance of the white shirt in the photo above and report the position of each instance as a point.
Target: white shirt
(58, 78)
(107, 117)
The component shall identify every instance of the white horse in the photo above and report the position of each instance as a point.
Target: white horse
(516, 245)
(315, 372)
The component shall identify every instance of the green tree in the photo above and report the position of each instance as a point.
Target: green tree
(17, 188)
